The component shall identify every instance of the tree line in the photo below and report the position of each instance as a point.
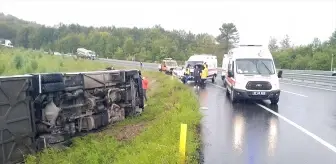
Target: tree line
(155, 43)
(143, 44)
(315, 56)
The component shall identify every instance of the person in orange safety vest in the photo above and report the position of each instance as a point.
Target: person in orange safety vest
(144, 87)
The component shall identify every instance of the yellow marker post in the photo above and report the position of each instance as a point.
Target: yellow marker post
(183, 139)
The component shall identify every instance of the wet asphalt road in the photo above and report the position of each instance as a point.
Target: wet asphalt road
(245, 133)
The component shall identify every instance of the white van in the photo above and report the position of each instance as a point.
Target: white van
(225, 63)
(252, 74)
(210, 60)
(6, 43)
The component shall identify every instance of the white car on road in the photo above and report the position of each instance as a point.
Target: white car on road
(178, 72)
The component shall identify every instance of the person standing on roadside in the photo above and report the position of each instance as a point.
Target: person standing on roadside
(186, 74)
(204, 75)
(144, 87)
(141, 65)
(197, 75)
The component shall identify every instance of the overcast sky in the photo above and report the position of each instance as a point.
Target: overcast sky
(256, 20)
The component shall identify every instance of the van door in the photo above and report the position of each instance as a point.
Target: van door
(212, 68)
(230, 80)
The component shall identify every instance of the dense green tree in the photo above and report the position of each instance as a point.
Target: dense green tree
(285, 43)
(333, 38)
(272, 44)
(228, 36)
(145, 44)
(156, 43)
(314, 56)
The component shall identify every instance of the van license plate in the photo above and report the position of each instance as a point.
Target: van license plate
(259, 93)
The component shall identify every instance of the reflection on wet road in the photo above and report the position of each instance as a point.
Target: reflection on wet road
(248, 134)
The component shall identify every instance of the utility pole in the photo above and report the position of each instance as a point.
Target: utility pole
(331, 64)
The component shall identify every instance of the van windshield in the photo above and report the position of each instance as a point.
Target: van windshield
(171, 63)
(255, 66)
(193, 63)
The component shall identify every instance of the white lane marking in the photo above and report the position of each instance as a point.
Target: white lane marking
(310, 86)
(318, 139)
(294, 93)
(204, 108)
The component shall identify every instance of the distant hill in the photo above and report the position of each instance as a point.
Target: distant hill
(12, 20)
(146, 44)
(9, 25)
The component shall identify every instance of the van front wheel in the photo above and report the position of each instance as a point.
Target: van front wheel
(275, 100)
(233, 97)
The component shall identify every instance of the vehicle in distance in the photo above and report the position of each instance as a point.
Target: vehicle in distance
(178, 72)
(199, 59)
(251, 74)
(46, 110)
(6, 43)
(225, 63)
(86, 54)
(168, 65)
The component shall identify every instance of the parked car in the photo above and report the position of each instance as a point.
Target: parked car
(178, 72)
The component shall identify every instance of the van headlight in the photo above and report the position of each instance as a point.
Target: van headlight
(236, 84)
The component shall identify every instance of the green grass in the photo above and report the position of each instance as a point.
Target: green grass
(20, 61)
(170, 104)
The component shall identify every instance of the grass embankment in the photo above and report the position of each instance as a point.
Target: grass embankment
(20, 61)
(150, 138)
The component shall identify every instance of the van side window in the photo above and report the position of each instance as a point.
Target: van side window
(229, 67)
(232, 69)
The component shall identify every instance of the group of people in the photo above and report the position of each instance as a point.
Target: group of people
(200, 74)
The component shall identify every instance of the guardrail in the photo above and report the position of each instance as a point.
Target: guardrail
(311, 72)
(321, 81)
(155, 65)
(310, 80)
(131, 63)
(315, 78)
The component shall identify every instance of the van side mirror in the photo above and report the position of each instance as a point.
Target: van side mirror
(230, 74)
(280, 74)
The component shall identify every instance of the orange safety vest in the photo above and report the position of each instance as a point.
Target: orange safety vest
(144, 83)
